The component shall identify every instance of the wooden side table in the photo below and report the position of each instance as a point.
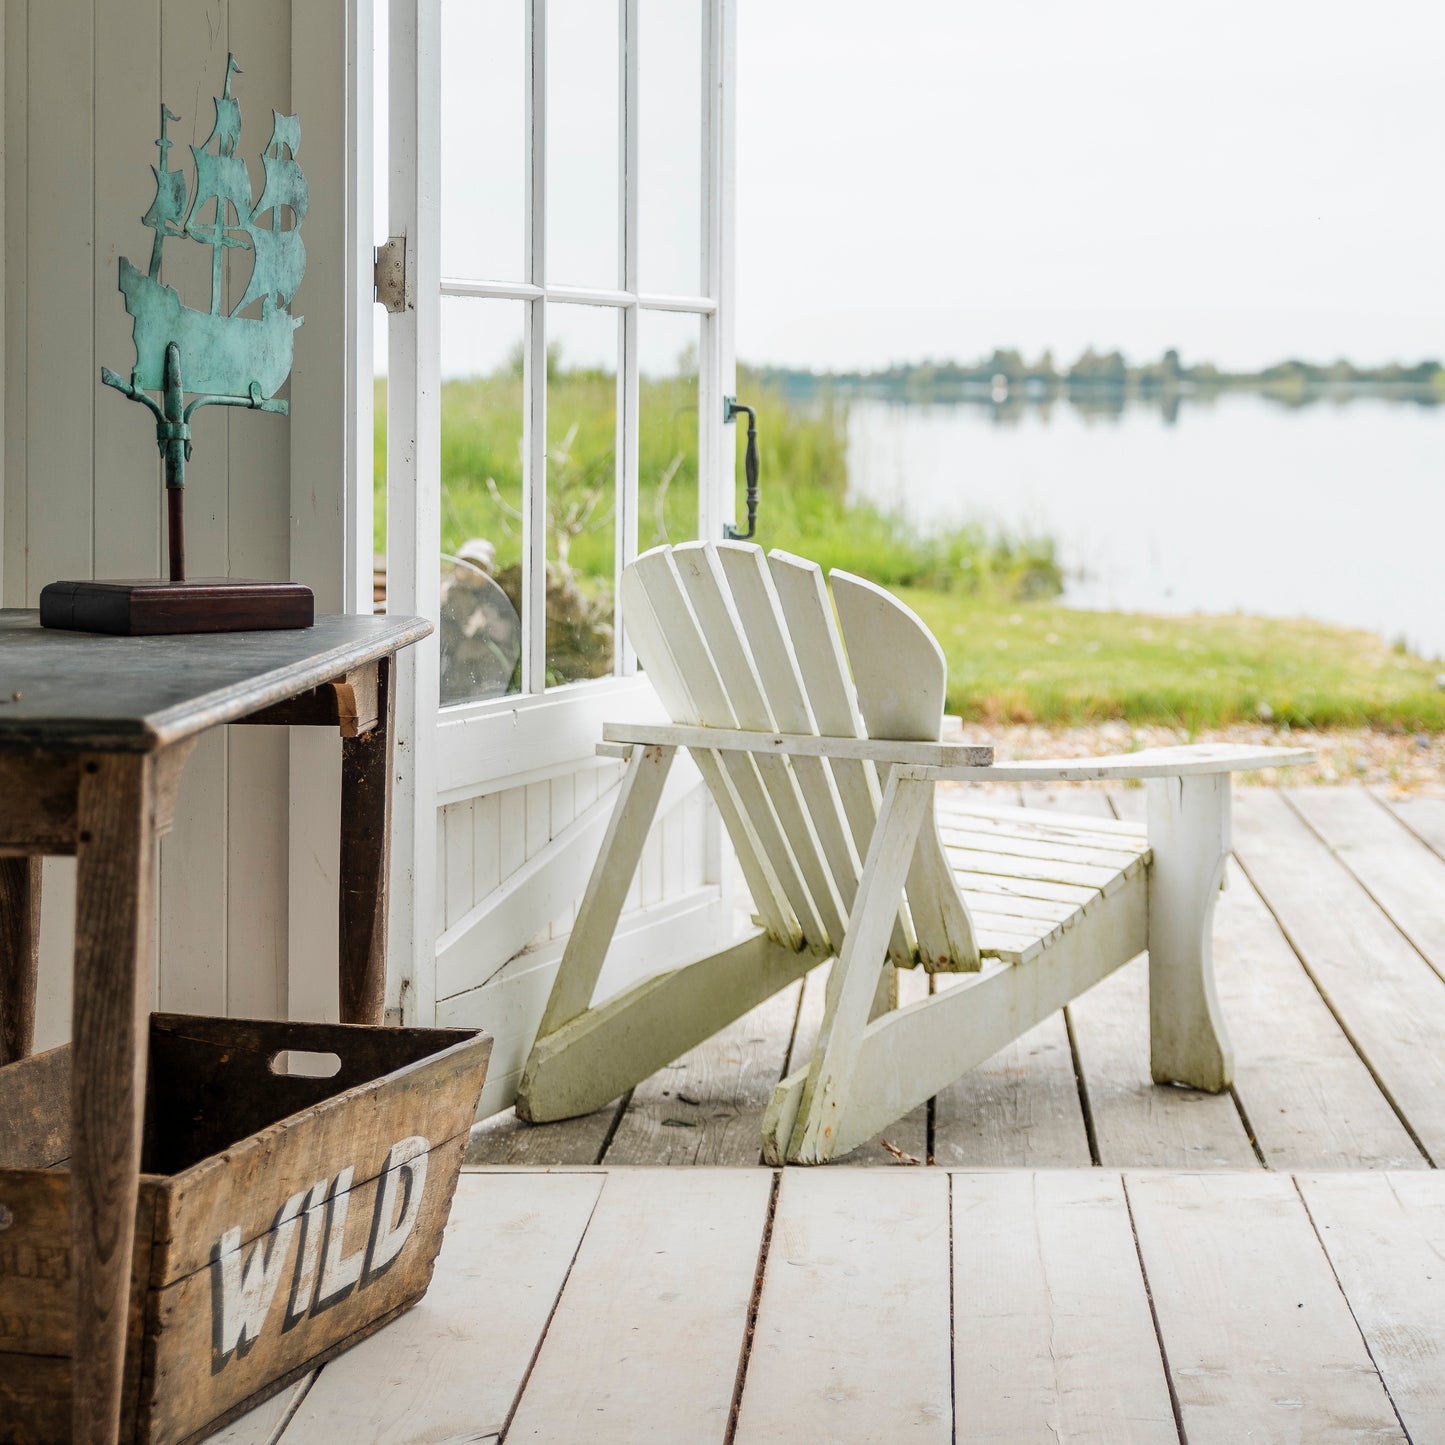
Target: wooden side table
(94, 734)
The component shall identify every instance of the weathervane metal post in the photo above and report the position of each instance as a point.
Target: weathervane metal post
(223, 358)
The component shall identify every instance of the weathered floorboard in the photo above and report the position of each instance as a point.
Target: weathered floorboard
(1399, 872)
(647, 1335)
(1136, 1122)
(1259, 1340)
(1049, 1259)
(452, 1367)
(1020, 1109)
(505, 1139)
(1375, 982)
(1423, 816)
(852, 1335)
(263, 1425)
(1385, 1236)
(707, 1106)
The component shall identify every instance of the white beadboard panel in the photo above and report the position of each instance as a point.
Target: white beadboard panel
(84, 80)
(509, 1006)
(545, 887)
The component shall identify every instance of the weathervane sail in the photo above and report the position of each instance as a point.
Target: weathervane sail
(229, 358)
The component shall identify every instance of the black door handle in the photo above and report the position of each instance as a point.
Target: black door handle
(731, 407)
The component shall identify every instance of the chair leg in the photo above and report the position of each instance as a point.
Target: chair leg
(853, 987)
(1190, 838)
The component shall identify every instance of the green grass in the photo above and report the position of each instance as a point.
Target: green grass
(1041, 662)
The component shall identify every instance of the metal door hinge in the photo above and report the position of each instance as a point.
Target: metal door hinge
(390, 278)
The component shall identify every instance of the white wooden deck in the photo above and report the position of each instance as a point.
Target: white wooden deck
(914, 1305)
(1098, 1260)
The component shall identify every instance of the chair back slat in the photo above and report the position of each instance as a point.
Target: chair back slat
(690, 647)
(707, 590)
(760, 615)
(656, 654)
(818, 646)
(901, 676)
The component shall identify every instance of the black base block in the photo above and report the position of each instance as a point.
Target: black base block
(151, 608)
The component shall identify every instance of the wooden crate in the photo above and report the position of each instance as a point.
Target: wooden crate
(281, 1217)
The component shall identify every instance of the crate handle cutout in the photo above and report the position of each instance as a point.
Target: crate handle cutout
(306, 1063)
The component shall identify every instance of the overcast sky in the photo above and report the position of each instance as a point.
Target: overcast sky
(1244, 180)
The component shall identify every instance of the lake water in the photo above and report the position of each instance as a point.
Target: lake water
(1334, 511)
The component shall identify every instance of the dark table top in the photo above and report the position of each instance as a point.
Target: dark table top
(84, 691)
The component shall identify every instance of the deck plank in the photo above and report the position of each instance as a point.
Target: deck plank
(1385, 1236)
(706, 1107)
(450, 1368)
(505, 1140)
(262, 1426)
(1137, 1123)
(852, 1335)
(1307, 1095)
(1423, 816)
(1387, 996)
(1399, 872)
(1020, 1109)
(1050, 1258)
(648, 1333)
(1260, 1342)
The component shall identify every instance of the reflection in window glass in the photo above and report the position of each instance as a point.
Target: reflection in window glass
(483, 139)
(668, 428)
(581, 490)
(669, 146)
(482, 406)
(582, 131)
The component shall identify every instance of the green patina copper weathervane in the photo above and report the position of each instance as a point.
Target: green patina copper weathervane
(219, 357)
(229, 359)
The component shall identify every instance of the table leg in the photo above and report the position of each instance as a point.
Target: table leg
(19, 955)
(366, 768)
(114, 886)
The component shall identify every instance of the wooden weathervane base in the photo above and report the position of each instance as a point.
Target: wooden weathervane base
(151, 608)
(231, 359)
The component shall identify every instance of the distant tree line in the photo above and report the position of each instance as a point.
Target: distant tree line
(1108, 371)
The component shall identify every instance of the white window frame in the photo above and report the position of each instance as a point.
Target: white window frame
(458, 752)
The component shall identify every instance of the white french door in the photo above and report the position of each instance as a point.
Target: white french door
(560, 171)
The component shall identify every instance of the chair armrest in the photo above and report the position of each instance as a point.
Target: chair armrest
(978, 758)
(1178, 762)
(961, 762)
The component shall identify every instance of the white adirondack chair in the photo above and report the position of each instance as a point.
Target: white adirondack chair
(823, 766)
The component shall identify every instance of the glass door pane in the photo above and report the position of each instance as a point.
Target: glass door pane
(582, 143)
(482, 499)
(668, 428)
(484, 139)
(582, 348)
(669, 147)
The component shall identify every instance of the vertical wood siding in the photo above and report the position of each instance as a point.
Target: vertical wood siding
(480, 845)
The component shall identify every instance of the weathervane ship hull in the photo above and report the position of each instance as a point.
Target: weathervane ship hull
(208, 343)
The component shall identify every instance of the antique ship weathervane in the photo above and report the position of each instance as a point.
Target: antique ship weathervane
(219, 357)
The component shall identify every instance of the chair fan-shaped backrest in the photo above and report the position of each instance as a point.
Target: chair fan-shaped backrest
(734, 639)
